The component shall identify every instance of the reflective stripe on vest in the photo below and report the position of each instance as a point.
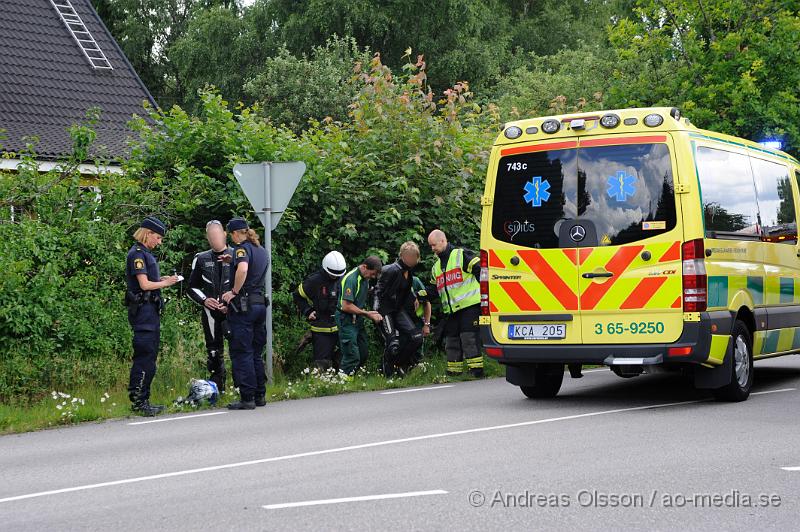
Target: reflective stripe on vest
(324, 329)
(358, 286)
(457, 289)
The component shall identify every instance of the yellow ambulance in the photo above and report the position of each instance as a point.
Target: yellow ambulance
(633, 239)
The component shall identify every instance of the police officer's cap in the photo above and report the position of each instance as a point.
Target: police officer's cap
(154, 224)
(237, 224)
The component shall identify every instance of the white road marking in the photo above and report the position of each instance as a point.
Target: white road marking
(793, 468)
(163, 419)
(354, 499)
(353, 448)
(407, 390)
(774, 391)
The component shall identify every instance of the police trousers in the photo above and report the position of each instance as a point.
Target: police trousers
(247, 342)
(146, 324)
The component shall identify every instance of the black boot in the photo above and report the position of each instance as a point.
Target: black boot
(242, 405)
(477, 373)
(261, 401)
(145, 409)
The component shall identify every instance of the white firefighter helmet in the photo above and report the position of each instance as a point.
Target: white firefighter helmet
(334, 264)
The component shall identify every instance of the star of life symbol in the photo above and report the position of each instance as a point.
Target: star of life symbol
(621, 186)
(536, 191)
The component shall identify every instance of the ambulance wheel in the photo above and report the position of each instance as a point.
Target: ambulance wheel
(741, 366)
(547, 382)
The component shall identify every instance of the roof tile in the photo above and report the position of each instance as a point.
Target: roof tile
(47, 84)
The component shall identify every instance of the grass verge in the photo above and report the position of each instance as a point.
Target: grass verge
(68, 407)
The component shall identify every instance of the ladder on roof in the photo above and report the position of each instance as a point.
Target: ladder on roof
(72, 20)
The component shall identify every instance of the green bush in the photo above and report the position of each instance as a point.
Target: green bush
(404, 163)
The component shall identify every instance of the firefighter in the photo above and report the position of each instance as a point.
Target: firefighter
(210, 278)
(393, 294)
(316, 298)
(351, 311)
(247, 315)
(144, 302)
(455, 274)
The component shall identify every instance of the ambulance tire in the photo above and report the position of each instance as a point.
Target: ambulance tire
(738, 389)
(547, 380)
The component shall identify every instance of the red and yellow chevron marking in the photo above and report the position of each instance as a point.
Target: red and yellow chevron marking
(555, 284)
(632, 287)
(672, 254)
(552, 287)
(619, 262)
(520, 296)
(548, 276)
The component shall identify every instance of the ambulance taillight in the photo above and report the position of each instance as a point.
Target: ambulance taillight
(695, 281)
(484, 281)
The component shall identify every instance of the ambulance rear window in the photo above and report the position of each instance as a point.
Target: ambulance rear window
(625, 192)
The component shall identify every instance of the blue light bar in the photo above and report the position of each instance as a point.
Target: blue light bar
(772, 144)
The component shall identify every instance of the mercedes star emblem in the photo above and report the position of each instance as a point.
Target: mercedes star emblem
(577, 233)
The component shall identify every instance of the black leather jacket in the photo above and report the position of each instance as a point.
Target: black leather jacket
(394, 288)
(210, 277)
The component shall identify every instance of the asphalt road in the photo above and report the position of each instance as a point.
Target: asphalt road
(641, 453)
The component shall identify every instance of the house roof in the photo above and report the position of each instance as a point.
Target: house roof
(47, 83)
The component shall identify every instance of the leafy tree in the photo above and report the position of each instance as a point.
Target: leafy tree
(718, 218)
(293, 90)
(786, 210)
(556, 84)
(468, 38)
(221, 48)
(545, 27)
(146, 30)
(732, 67)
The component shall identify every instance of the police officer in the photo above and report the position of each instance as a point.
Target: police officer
(247, 315)
(210, 278)
(143, 299)
(316, 298)
(351, 311)
(455, 274)
(392, 296)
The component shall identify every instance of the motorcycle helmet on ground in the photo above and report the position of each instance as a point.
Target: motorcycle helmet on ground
(198, 391)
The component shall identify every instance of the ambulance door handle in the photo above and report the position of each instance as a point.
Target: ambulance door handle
(595, 275)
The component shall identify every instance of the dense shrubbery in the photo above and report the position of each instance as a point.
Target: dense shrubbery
(406, 162)
(390, 161)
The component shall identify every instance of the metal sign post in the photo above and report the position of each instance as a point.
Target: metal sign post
(269, 187)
